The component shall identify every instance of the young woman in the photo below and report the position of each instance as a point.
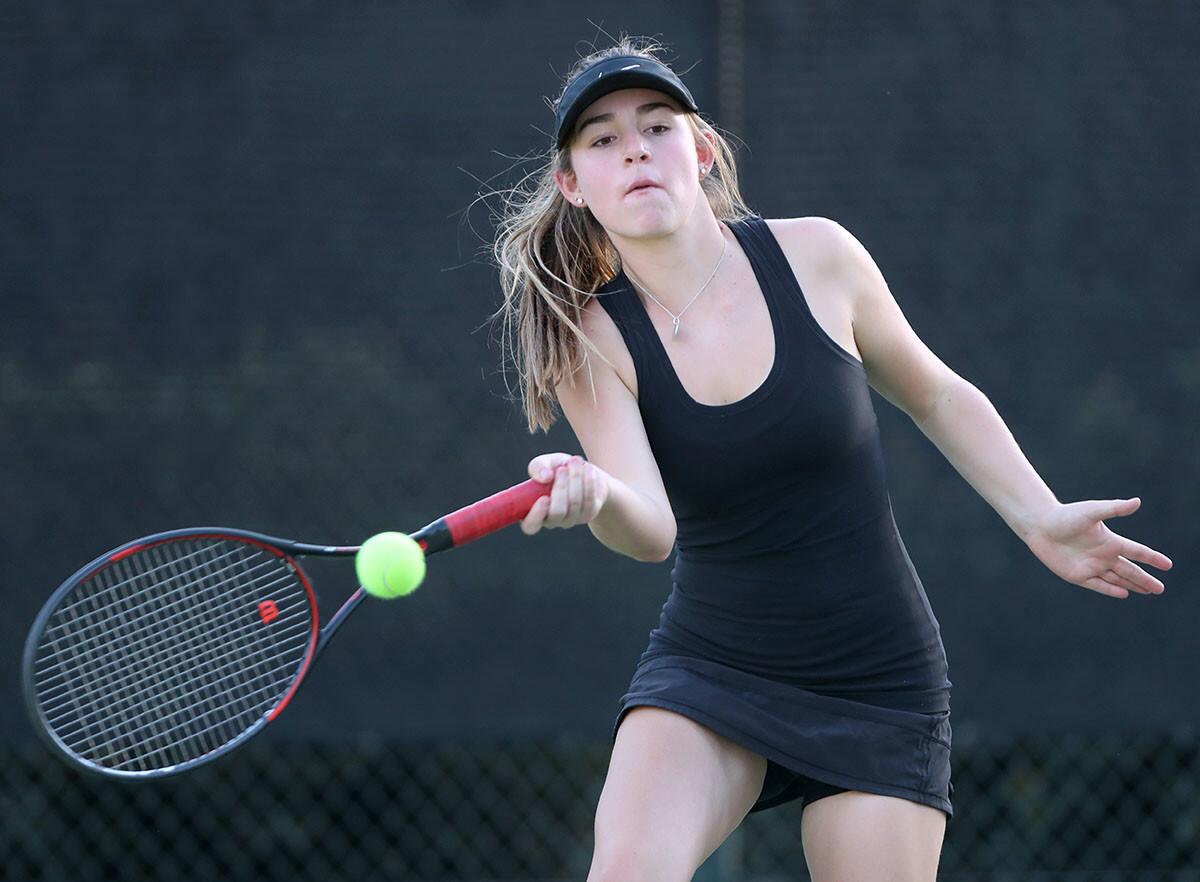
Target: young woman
(715, 368)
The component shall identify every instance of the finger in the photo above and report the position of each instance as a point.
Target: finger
(575, 483)
(541, 468)
(595, 481)
(1112, 578)
(558, 498)
(1136, 551)
(1115, 508)
(589, 491)
(599, 488)
(538, 467)
(1139, 578)
(1099, 585)
(532, 522)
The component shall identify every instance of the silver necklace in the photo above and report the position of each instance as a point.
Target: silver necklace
(675, 318)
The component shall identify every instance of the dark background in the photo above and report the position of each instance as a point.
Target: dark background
(244, 282)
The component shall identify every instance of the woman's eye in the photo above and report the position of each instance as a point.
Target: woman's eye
(657, 129)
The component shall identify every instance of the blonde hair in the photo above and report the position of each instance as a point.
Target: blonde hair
(552, 258)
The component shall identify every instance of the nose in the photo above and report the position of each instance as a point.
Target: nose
(636, 149)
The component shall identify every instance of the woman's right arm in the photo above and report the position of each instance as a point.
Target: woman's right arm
(618, 492)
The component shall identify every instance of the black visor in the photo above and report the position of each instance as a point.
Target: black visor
(609, 75)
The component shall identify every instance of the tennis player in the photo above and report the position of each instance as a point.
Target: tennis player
(716, 367)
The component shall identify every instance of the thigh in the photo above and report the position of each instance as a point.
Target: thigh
(674, 790)
(869, 837)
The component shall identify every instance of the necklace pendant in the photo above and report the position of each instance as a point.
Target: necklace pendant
(675, 322)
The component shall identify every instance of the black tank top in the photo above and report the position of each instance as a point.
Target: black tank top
(788, 561)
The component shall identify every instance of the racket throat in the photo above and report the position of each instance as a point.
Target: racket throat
(435, 537)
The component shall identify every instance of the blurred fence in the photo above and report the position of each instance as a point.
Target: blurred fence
(1110, 808)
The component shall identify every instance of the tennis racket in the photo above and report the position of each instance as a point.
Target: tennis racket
(174, 649)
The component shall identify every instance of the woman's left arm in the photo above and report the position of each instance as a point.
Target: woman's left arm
(1070, 539)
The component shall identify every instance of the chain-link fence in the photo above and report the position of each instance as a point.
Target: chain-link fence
(1072, 807)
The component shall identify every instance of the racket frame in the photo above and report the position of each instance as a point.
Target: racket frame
(451, 531)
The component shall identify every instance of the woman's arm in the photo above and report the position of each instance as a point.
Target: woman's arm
(965, 427)
(618, 492)
(1071, 540)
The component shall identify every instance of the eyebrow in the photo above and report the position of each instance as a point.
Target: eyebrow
(606, 117)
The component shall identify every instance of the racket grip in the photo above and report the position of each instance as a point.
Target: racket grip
(497, 511)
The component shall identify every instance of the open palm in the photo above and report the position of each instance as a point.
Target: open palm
(1073, 541)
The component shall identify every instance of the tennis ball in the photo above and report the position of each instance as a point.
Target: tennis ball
(390, 565)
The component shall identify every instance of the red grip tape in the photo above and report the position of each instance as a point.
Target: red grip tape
(494, 513)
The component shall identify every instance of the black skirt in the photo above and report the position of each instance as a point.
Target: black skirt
(833, 740)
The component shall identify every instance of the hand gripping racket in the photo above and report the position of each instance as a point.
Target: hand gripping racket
(174, 649)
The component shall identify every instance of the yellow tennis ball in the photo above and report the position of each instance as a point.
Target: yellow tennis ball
(390, 565)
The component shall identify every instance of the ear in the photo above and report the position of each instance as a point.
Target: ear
(706, 151)
(567, 185)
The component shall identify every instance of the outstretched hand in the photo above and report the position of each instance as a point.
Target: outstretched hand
(1073, 541)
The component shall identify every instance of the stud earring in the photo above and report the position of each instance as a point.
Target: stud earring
(580, 200)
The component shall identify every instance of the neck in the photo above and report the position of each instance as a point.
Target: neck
(674, 266)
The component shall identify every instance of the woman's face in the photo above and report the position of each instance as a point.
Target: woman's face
(628, 137)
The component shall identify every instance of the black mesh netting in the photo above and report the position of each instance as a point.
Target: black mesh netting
(1104, 807)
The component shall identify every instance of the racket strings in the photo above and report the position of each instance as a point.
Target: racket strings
(100, 669)
(158, 739)
(156, 735)
(179, 696)
(89, 638)
(185, 621)
(163, 656)
(154, 580)
(199, 559)
(143, 690)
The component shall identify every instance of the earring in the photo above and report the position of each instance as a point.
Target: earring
(580, 200)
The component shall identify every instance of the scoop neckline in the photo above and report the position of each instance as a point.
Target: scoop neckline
(763, 388)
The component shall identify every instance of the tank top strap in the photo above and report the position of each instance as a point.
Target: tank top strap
(776, 280)
(782, 290)
(655, 375)
(766, 257)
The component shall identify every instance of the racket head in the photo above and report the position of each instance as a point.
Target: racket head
(169, 651)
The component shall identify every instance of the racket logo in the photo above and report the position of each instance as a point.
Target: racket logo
(268, 611)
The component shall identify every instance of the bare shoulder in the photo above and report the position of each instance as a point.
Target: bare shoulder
(899, 366)
(602, 331)
(825, 248)
(822, 255)
(821, 244)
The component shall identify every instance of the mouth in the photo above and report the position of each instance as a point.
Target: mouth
(641, 188)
